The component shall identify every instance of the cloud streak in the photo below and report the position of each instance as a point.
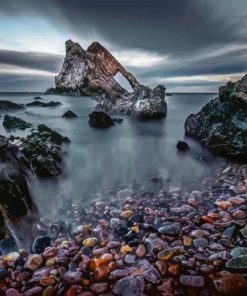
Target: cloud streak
(191, 45)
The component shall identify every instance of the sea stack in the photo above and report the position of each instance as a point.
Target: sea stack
(93, 72)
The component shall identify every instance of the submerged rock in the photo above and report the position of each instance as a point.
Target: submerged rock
(69, 114)
(221, 124)
(100, 120)
(42, 104)
(9, 106)
(12, 122)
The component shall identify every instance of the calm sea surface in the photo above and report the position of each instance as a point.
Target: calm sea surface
(130, 152)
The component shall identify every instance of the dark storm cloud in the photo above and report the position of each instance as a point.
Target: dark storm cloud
(186, 31)
(32, 60)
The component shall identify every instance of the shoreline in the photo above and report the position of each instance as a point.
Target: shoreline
(167, 244)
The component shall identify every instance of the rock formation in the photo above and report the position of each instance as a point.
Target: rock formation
(12, 123)
(221, 124)
(92, 72)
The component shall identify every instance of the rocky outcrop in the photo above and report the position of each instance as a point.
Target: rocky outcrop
(15, 199)
(12, 123)
(86, 72)
(221, 124)
(92, 72)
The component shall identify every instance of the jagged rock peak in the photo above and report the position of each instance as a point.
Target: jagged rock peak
(71, 46)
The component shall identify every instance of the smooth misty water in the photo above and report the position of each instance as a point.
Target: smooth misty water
(96, 160)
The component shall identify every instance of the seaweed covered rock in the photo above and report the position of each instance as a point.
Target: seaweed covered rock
(43, 148)
(221, 124)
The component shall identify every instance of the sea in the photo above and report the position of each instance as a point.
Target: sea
(132, 154)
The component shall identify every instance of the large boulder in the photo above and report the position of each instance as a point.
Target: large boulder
(93, 72)
(221, 124)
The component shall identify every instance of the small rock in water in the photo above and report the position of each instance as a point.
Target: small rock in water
(69, 114)
(182, 146)
(100, 119)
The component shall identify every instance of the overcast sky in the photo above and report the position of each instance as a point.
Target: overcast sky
(188, 45)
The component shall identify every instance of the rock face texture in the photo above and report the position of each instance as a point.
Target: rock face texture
(92, 72)
(221, 124)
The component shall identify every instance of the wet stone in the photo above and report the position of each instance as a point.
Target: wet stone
(12, 292)
(141, 251)
(151, 275)
(238, 251)
(200, 242)
(99, 288)
(192, 281)
(34, 262)
(130, 285)
(165, 255)
(230, 283)
(90, 242)
(170, 229)
(129, 259)
(237, 264)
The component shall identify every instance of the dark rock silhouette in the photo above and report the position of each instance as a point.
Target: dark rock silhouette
(100, 120)
(69, 114)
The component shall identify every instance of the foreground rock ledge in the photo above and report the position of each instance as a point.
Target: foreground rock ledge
(93, 72)
(221, 124)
